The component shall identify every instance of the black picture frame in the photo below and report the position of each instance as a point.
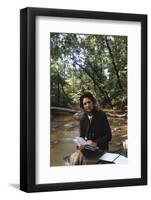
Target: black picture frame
(28, 99)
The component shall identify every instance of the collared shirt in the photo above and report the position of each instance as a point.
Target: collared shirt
(90, 117)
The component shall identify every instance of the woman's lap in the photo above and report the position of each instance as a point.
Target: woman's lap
(84, 157)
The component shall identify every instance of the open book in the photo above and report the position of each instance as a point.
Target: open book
(80, 141)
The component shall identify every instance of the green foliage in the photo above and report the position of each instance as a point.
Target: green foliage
(96, 63)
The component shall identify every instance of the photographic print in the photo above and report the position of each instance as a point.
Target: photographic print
(93, 68)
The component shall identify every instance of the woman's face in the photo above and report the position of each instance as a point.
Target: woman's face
(88, 104)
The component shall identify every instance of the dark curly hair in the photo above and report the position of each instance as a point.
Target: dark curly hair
(89, 96)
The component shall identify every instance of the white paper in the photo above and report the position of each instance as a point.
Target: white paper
(110, 157)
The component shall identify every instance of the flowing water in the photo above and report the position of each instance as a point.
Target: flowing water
(64, 129)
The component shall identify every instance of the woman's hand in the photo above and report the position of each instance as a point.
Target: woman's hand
(90, 142)
(81, 147)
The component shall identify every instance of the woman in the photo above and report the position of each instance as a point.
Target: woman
(95, 129)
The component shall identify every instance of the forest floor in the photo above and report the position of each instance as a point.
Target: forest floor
(64, 127)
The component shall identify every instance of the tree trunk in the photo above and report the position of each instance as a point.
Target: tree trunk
(114, 65)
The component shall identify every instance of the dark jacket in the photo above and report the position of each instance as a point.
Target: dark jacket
(98, 130)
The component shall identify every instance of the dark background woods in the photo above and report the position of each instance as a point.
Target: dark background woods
(96, 63)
